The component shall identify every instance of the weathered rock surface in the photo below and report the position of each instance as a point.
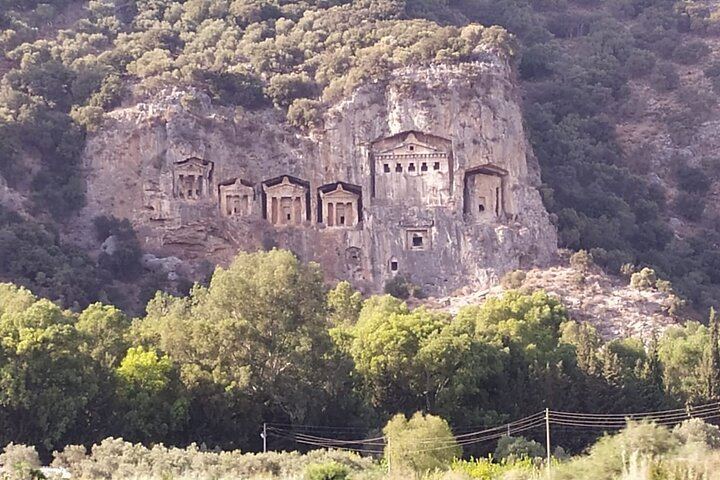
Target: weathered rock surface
(610, 304)
(428, 175)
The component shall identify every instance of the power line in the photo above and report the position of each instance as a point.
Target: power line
(654, 414)
(304, 434)
(317, 427)
(327, 439)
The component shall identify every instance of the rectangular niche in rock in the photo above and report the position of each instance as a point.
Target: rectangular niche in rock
(418, 239)
(237, 198)
(286, 200)
(340, 205)
(192, 178)
(484, 193)
(412, 167)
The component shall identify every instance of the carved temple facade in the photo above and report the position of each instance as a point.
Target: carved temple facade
(192, 178)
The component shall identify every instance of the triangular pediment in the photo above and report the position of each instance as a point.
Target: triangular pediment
(193, 166)
(487, 169)
(410, 146)
(340, 192)
(235, 187)
(192, 161)
(285, 185)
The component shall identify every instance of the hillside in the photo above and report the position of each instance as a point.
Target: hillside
(618, 103)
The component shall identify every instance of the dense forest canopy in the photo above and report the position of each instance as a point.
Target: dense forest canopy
(266, 341)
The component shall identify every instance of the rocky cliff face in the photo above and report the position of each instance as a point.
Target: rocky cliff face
(427, 175)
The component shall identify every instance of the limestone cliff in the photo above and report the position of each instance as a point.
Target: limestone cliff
(427, 175)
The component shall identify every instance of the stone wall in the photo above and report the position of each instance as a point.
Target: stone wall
(391, 185)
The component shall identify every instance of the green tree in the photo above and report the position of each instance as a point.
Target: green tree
(412, 360)
(530, 321)
(683, 353)
(152, 406)
(713, 369)
(344, 304)
(105, 329)
(421, 444)
(257, 335)
(45, 380)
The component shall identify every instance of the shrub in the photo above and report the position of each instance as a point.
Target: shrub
(17, 455)
(644, 279)
(513, 280)
(692, 179)
(399, 287)
(581, 261)
(640, 63)
(124, 258)
(487, 469)
(690, 53)
(89, 117)
(114, 458)
(695, 431)
(326, 471)
(287, 87)
(690, 205)
(664, 77)
(234, 88)
(304, 113)
(627, 269)
(512, 448)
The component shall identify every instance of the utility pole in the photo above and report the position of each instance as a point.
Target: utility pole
(547, 439)
(264, 437)
(387, 450)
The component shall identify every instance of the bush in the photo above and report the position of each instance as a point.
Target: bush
(513, 280)
(690, 205)
(690, 53)
(286, 88)
(304, 114)
(695, 431)
(326, 471)
(645, 279)
(114, 458)
(640, 63)
(234, 88)
(581, 261)
(692, 179)
(664, 77)
(15, 455)
(399, 287)
(513, 448)
(123, 259)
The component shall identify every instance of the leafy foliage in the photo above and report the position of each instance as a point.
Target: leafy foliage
(422, 443)
(266, 342)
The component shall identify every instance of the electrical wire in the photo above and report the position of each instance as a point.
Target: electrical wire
(326, 439)
(304, 434)
(660, 413)
(316, 427)
(706, 413)
(323, 445)
(668, 417)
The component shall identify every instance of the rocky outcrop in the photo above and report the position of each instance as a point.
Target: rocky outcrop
(427, 175)
(610, 304)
